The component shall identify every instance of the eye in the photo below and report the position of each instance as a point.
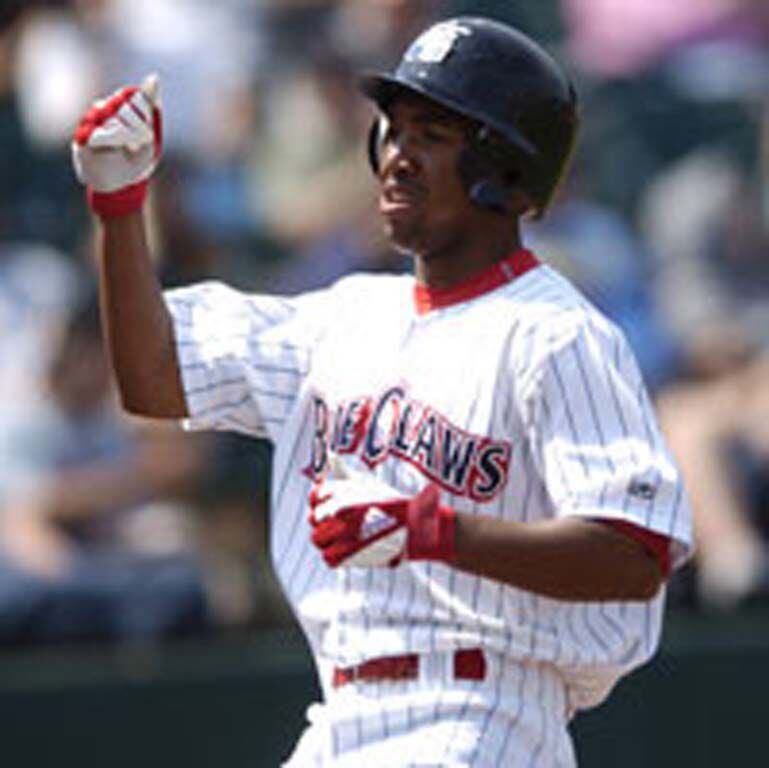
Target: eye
(435, 134)
(386, 131)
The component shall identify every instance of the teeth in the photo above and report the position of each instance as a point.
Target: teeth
(399, 196)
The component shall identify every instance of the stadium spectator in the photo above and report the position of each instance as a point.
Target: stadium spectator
(713, 282)
(96, 543)
(621, 39)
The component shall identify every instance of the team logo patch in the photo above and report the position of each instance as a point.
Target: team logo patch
(395, 425)
(375, 521)
(642, 488)
(437, 43)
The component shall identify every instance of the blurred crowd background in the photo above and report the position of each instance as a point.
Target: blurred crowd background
(117, 530)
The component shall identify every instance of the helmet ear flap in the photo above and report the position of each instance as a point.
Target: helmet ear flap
(489, 170)
(376, 134)
(491, 194)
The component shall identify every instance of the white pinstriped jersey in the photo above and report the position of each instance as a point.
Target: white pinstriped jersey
(521, 401)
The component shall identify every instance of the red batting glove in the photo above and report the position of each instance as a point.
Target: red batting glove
(116, 147)
(360, 521)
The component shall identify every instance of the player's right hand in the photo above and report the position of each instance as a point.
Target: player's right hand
(357, 520)
(116, 147)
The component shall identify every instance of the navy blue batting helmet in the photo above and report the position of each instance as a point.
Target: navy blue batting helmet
(519, 97)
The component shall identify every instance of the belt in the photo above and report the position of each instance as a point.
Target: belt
(468, 664)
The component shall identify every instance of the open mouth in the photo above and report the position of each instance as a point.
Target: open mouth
(398, 196)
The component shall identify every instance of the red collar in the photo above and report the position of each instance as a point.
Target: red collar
(499, 273)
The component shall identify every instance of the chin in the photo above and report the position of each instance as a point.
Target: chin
(403, 238)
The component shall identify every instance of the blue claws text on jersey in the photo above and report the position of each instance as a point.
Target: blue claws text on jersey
(395, 425)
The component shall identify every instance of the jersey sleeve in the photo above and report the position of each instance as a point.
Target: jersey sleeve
(596, 439)
(242, 357)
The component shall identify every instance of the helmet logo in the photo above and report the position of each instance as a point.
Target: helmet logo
(437, 43)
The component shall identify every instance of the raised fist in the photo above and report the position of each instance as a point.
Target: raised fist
(116, 147)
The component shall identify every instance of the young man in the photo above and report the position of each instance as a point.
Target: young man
(492, 512)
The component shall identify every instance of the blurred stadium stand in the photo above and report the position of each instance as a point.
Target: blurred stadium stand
(664, 223)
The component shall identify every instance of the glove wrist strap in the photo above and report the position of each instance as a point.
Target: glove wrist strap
(119, 203)
(432, 528)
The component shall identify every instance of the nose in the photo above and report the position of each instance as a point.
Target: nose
(398, 152)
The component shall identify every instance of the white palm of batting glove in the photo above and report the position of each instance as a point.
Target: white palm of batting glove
(358, 520)
(116, 148)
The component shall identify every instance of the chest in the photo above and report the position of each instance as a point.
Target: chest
(415, 398)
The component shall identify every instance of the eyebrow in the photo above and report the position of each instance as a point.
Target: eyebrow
(435, 116)
(424, 113)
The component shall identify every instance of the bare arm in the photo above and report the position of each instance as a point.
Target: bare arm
(136, 321)
(567, 559)
(115, 150)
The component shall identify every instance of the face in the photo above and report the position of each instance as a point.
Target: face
(423, 203)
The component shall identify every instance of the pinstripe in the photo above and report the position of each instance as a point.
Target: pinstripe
(676, 508)
(595, 633)
(650, 431)
(589, 611)
(245, 335)
(267, 368)
(568, 610)
(476, 581)
(528, 494)
(616, 626)
(248, 428)
(183, 323)
(526, 511)
(486, 742)
(260, 368)
(280, 484)
(518, 713)
(494, 703)
(594, 414)
(270, 318)
(295, 559)
(225, 406)
(298, 524)
(239, 380)
(544, 709)
(618, 409)
(566, 400)
(573, 649)
(563, 377)
(548, 424)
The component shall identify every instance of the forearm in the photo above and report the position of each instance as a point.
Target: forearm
(115, 150)
(137, 323)
(566, 559)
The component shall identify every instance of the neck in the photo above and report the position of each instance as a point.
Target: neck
(454, 263)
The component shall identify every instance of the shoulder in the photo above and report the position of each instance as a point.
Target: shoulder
(364, 283)
(359, 283)
(547, 304)
(357, 293)
(205, 293)
(550, 318)
(372, 291)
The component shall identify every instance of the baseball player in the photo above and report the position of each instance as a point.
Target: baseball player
(473, 512)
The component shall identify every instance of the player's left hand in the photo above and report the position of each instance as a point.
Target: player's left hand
(358, 520)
